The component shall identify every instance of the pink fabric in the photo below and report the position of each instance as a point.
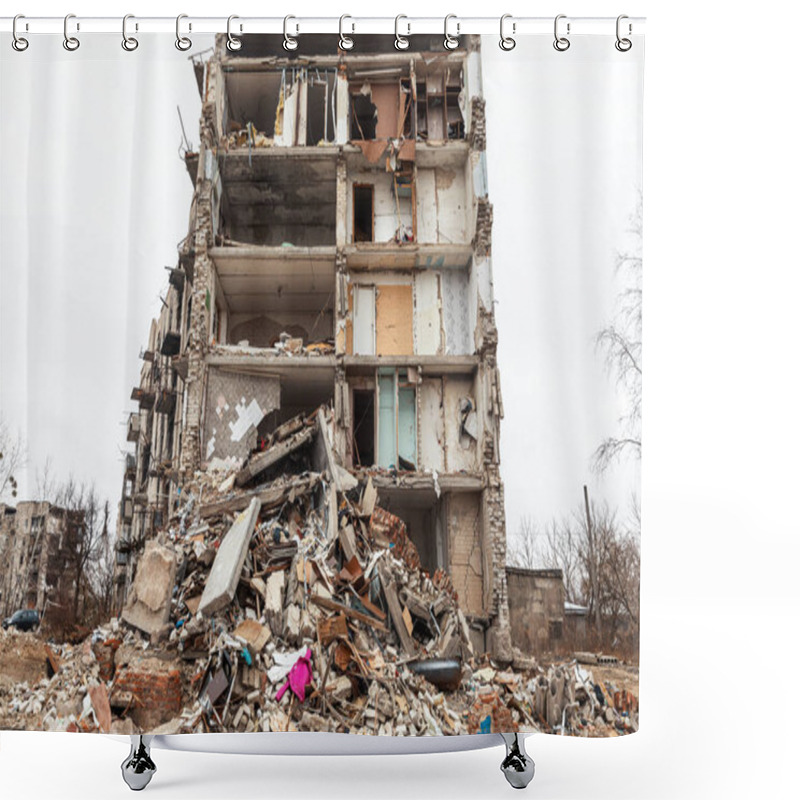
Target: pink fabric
(299, 677)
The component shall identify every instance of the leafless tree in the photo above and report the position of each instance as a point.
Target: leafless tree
(524, 545)
(621, 343)
(12, 459)
(84, 543)
(599, 558)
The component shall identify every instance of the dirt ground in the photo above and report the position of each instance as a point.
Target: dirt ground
(22, 657)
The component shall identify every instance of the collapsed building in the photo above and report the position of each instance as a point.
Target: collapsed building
(36, 540)
(338, 254)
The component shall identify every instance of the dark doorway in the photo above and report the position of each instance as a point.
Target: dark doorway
(363, 117)
(364, 427)
(363, 212)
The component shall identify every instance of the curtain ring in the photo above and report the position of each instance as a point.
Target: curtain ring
(289, 42)
(561, 43)
(506, 42)
(345, 42)
(400, 42)
(450, 42)
(71, 43)
(129, 43)
(623, 44)
(233, 44)
(183, 43)
(19, 43)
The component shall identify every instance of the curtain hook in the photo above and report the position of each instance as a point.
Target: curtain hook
(561, 43)
(289, 42)
(450, 42)
(19, 43)
(233, 44)
(506, 42)
(71, 43)
(623, 44)
(129, 43)
(345, 42)
(400, 42)
(183, 43)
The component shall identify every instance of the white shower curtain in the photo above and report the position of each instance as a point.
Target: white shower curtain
(485, 208)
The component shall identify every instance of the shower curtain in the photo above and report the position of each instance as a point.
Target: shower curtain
(264, 314)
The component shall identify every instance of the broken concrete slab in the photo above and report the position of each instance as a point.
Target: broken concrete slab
(273, 601)
(260, 462)
(149, 601)
(255, 634)
(224, 577)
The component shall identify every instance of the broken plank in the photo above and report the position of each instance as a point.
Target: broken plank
(332, 605)
(270, 496)
(395, 610)
(262, 461)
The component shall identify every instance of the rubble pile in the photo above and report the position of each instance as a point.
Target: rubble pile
(282, 597)
(284, 345)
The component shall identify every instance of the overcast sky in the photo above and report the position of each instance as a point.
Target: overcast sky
(94, 200)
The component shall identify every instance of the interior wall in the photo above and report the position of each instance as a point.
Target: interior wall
(385, 207)
(262, 330)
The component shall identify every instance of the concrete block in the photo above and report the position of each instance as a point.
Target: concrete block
(224, 576)
(273, 601)
(148, 602)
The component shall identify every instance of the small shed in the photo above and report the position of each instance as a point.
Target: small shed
(536, 608)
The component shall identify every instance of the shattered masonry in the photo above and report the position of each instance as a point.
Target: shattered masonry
(338, 253)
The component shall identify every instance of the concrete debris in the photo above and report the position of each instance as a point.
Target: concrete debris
(148, 603)
(296, 604)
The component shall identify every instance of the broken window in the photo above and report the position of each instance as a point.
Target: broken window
(320, 113)
(363, 212)
(439, 115)
(397, 420)
(363, 114)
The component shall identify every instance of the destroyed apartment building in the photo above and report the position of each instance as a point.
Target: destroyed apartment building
(331, 309)
(36, 541)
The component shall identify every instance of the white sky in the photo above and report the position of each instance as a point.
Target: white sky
(94, 199)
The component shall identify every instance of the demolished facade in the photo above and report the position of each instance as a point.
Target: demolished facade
(34, 540)
(338, 255)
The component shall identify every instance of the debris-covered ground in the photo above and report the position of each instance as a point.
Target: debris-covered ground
(281, 598)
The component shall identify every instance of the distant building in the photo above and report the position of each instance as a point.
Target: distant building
(34, 540)
(536, 609)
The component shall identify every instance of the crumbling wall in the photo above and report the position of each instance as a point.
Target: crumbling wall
(465, 550)
(235, 404)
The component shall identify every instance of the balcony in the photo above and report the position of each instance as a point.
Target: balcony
(134, 427)
(165, 401)
(146, 398)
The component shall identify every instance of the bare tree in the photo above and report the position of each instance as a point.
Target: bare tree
(599, 559)
(621, 343)
(12, 459)
(84, 543)
(523, 546)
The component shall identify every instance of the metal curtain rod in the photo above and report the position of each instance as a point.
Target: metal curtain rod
(457, 26)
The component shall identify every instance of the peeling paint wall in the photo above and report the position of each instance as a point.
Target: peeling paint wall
(427, 313)
(431, 425)
(459, 321)
(235, 404)
(461, 450)
(441, 205)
